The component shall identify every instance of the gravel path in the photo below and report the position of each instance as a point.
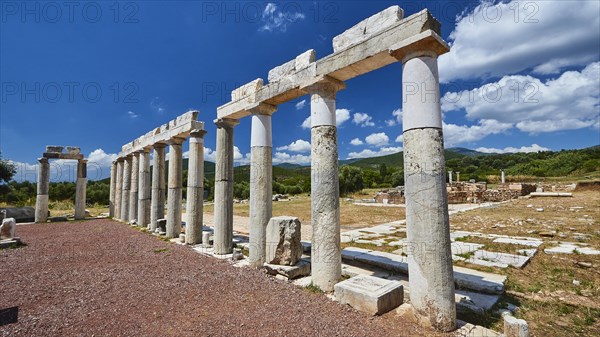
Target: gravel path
(103, 278)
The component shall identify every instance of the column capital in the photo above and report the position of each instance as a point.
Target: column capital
(83, 161)
(159, 145)
(146, 149)
(427, 43)
(176, 141)
(43, 160)
(262, 109)
(226, 122)
(323, 85)
(197, 134)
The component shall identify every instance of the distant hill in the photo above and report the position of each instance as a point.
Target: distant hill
(467, 152)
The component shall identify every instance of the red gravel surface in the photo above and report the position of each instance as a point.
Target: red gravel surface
(103, 278)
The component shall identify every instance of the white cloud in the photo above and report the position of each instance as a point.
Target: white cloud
(296, 146)
(274, 19)
(377, 139)
(157, 105)
(341, 116)
(399, 139)
(102, 158)
(356, 142)
(367, 153)
(300, 105)
(132, 114)
(568, 102)
(525, 149)
(282, 157)
(545, 36)
(457, 134)
(239, 158)
(397, 113)
(362, 119)
(210, 155)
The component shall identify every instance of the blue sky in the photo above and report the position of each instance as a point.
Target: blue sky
(521, 76)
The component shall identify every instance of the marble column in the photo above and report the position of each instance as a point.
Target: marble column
(450, 177)
(502, 177)
(133, 188)
(80, 189)
(458, 177)
(157, 208)
(427, 221)
(195, 189)
(126, 187)
(144, 191)
(326, 258)
(43, 184)
(113, 184)
(118, 189)
(261, 183)
(175, 182)
(223, 231)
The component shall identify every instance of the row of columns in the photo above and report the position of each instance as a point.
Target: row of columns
(43, 188)
(138, 196)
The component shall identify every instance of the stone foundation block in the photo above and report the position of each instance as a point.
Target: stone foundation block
(370, 294)
(300, 269)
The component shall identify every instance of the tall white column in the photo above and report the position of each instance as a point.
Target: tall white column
(143, 204)
(223, 231)
(175, 188)
(261, 183)
(158, 185)
(326, 258)
(112, 192)
(428, 230)
(195, 189)
(118, 189)
(43, 184)
(133, 188)
(80, 188)
(126, 188)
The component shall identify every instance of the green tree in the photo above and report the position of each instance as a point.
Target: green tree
(351, 179)
(7, 170)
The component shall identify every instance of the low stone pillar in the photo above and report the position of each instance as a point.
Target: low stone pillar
(427, 222)
(326, 257)
(126, 188)
(195, 189)
(80, 189)
(458, 177)
(450, 177)
(175, 188)
(118, 189)
(133, 188)
(111, 194)
(502, 178)
(223, 231)
(43, 184)
(144, 191)
(261, 182)
(157, 208)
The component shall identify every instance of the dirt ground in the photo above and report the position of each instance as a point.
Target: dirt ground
(102, 278)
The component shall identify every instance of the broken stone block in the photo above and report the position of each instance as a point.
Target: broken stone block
(281, 71)
(8, 228)
(370, 294)
(305, 59)
(246, 90)
(283, 241)
(161, 225)
(54, 149)
(302, 268)
(514, 327)
(73, 150)
(368, 27)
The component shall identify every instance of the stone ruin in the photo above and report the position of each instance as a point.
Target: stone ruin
(382, 39)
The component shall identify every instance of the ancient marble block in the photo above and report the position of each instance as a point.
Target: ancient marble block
(247, 89)
(302, 268)
(305, 59)
(54, 149)
(370, 294)
(73, 150)
(281, 71)
(514, 327)
(8, 228)
(283, 241)
(368, 27)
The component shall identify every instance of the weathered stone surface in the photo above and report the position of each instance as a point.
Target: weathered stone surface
(54, 149)
(247, 90)
(157, 203)
(73, 150)
(517, 261)
(514, 327)
(302, 268)
(283, 241)
(8, 228)
(80, 190)
(528, 242)
(195, 189)
(571, 248)
(368, 27)
(370, 294)
(290, 68)
(43, 186)
(305, 59)
(261, 205)
(161, 224)
(20, 214)
(479, 281)
(174, 195)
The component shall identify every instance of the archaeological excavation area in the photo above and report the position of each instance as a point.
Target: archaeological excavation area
(162, 266)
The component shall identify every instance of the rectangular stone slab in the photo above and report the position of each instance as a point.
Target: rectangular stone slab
(302, 268)
(530, 243)
(370, 294)
(517, 261)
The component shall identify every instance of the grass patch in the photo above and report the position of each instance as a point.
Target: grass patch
(160, 250)
(313, 288)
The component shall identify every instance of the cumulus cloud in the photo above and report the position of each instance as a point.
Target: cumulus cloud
(399, 139)
(282, 157)
(356, 142)
(300, 105)
(377, 139)
(525, 149)
(132, 114)
(341, 116)
(362, 119)
(545, 36)
(296, 146)
(457, 134)
(274, 19)
(565, 103)
(397, 114)
(239, 158)
(368, 153)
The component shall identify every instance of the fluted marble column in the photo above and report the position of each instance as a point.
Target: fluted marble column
(80, 189)
(133, 189)
(427, 221)
(43, 183)
(261, 183)
(326, 258)
(223, 231)
(118, 188)
(157, 210)
(144, 189)
(195, 189)
(126, 187)
(113, 184)
(175, 188)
